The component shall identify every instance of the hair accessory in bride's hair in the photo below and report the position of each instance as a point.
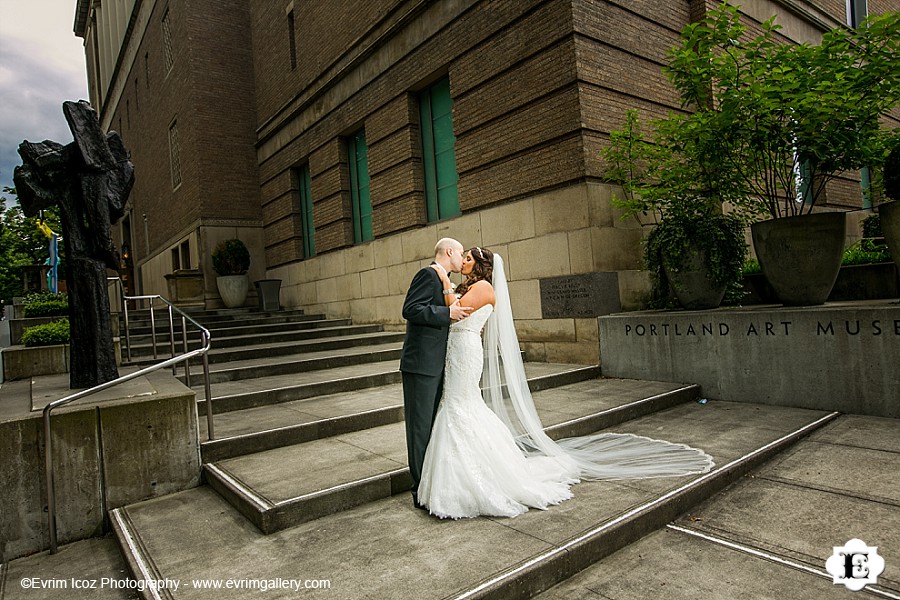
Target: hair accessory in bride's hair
(480, 254)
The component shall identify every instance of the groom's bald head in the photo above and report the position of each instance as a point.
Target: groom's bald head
(445, 244)
(449, 254)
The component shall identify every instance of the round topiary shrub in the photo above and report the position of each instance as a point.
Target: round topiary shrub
(48, 334)
(231, 257)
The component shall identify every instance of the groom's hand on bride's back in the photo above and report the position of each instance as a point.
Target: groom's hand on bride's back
(458, 312)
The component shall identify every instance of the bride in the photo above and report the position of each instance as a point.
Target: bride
(489, 455)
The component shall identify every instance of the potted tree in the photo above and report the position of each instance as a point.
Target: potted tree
(790, 119)
(695, 251)
(230, 260)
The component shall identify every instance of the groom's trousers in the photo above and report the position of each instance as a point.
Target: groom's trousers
(421, 397)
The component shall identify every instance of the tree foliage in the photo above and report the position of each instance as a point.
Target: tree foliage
(789, 117)
(22, 243)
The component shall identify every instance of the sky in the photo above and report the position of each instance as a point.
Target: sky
(41, 66)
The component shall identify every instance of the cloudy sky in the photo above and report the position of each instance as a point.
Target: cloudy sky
(41, 65)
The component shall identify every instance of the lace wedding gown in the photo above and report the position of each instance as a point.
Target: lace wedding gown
(473, 465)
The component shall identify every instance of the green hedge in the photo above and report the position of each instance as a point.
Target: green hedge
(47, 334)
(46, 308)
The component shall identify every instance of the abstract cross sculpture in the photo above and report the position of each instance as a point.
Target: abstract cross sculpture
(89, 179)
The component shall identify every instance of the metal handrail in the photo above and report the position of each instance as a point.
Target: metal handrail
(203, 351)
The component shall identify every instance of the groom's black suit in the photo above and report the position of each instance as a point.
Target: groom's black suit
(422, 363)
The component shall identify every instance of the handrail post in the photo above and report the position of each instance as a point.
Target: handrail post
(51, 491)
(209, 412)
(187, 363)
(153, 329)
(172, 337)
(127, 332)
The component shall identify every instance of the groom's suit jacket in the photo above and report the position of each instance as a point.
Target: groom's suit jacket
(427, 325)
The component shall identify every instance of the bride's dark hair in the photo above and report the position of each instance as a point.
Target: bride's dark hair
(482, 269)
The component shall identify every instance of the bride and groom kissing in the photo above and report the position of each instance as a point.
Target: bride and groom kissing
(475, 443)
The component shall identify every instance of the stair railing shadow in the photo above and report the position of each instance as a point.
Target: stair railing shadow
(203, 351)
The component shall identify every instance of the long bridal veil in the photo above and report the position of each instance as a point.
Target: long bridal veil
(597, 456)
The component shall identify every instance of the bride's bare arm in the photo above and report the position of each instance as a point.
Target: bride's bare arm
(478, 294)
(449, 299)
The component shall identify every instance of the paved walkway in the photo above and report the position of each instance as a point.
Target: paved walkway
(766, 536)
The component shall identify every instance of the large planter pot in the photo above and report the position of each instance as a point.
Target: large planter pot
(801, 256)
(890, 227)
(233, 289)
(691, 282)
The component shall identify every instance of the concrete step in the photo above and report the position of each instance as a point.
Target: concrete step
(248, 338)
(300, 363)
(141, 335)
(142, 326)
(388, 549)
(271, 350)
(237, 395)
(211, 314)
(274, 426)
(286, 486)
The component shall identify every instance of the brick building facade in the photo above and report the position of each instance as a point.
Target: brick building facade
(340, 139)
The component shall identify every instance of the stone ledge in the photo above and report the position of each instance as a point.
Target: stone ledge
(836, 357)
(20, 362)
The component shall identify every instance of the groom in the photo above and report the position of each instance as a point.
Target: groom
(424, 348)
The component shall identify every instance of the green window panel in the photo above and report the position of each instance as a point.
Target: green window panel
(306, 212)
(439, 157)
(360, 201)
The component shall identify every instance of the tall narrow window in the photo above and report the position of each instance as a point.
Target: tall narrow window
(857, 10)
(174, 155)
(438, 155)
(304, 194)
(360, 201)
(167, 40)
(292, 39)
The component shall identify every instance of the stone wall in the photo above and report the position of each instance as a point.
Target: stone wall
(841, 356)
(568, 231)
(130, 443)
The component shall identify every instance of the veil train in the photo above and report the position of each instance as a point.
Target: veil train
(597, 456)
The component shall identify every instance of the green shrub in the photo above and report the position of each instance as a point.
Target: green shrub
(47, 334)
(231, 257)
(45, 304)
(48, 308)
(752, 267)
(866, 252)
(871, 227)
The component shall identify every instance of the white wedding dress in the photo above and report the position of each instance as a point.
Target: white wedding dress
(489, 455)
(473, 465)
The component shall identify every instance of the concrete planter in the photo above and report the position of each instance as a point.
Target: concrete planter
(18, 326)
(801, 256)
(890, 226)
(691, 283)
(233, 289)
(185, 287)
(20, 362)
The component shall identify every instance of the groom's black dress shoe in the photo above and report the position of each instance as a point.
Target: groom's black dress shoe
(417, 505)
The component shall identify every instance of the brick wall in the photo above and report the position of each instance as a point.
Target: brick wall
(209, 93)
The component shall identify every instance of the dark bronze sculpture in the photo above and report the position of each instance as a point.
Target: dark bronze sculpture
(90, 180)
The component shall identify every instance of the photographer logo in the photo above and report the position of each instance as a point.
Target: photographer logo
(855, 565)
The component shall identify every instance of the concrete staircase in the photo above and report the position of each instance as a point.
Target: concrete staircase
(307, 476)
